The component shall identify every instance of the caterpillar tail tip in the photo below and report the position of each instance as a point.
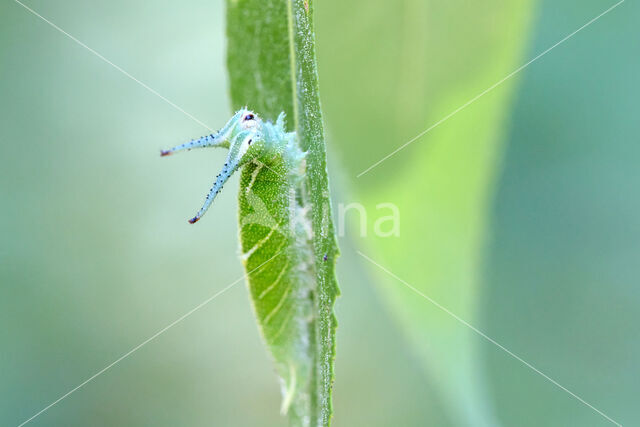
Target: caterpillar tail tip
(194, 220)
(164, 153)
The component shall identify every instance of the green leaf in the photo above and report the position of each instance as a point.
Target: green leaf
(272, 68)
(410, 64)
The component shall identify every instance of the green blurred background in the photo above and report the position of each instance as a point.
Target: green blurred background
(521, 214)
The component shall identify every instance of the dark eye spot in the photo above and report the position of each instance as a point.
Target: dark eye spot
(248, 117)
(249, 142)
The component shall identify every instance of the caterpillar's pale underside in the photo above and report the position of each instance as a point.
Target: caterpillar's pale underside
(275, 230)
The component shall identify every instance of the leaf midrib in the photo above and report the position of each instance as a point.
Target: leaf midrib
(292, 68)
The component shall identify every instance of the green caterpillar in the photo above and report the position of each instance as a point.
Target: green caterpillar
(274, 228)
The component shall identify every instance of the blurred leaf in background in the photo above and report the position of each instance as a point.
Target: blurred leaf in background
(429, 58)
(562, 273)
(408, 70)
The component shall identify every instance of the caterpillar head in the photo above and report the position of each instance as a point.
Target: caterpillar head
(242, 135)
(244, 120)
(248, 119)
(245, 137)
